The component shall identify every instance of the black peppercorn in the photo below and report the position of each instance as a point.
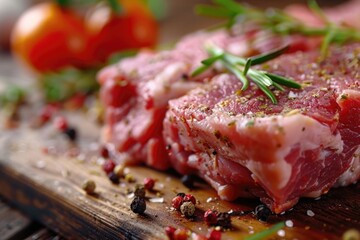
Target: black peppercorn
(224, 220)
(138, 205)
(71, 133)
(188, 181)
(139, 191)
(262, 212)
(181, 194)
(113, 177)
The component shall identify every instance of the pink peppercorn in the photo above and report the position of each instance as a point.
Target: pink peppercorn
(170, 232)
(149, 183)
(189, 198)
(46, 113)
(210, 217)
(177, 201)
(61, 123)
(181, 234)
(214, 235)
(108, 166)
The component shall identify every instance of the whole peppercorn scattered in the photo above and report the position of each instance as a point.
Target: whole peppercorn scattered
(46, 114)
(189, 198)
(113, 178)
(119, 170)
(223, 220)
(176, 202)
(188, 181)
(149, 183)
(139, 191)
(181, 194)
(61, 123)
(89, 186)
(129, 178)
(108, 166)
(210, 217)
(104, 152)
(138, 205)
(187, 209)
(170, 232)
(214, 234)
(181, 234)
(71, 133)
(262, 212)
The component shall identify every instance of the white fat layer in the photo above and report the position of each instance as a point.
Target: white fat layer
(347, 93)
(294, 131)
(165, 87)
(352, 175)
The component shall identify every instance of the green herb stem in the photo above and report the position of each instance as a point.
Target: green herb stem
(241, 68)
(266, 233)
(280, 22)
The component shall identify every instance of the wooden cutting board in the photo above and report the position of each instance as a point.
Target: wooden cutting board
(48, 187)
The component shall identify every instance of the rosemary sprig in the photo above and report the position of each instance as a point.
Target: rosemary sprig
(279, 22)
(266, 233)
(59, 86)
(241, 68)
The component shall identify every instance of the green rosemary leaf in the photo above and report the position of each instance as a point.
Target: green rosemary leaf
(266, 233)
(315, 8)
(283, 81)
(247, 65)
(199, 70)
(231, 6)
(268, 56)
(240, 75)
(261, 77)
(265, 90)
(210, 61)
(212, 11)
(329, 37)
(278, 86)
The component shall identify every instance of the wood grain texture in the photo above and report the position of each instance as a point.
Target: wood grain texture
(48, 187)
(13, 224)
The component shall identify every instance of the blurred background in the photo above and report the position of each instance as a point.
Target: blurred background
(176, 17)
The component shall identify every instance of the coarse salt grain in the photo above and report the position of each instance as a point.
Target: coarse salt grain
(289, 223)
(281, 233)
(310, 213)
(156, 200)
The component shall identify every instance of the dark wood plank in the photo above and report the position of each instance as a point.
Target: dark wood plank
(13, 224)
(49, 189)
(44, 234)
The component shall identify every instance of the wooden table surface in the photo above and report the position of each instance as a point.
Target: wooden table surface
(48, 187)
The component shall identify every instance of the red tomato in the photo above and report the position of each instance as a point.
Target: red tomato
(48, 38)
(134, 27)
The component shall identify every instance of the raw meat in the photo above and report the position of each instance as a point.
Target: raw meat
(136, 90)
(245, 146)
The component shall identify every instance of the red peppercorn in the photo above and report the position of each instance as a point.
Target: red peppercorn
(108, 166)
(149, 183)
(177, 201)
(214, 234)
(46, 113)
(61, 123)
(210, 217)
(181, 234)
(104, 152)
(189, 198)
(170, 232)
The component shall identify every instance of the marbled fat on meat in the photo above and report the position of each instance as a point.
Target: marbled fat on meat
(136, 91)
(245, 146)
